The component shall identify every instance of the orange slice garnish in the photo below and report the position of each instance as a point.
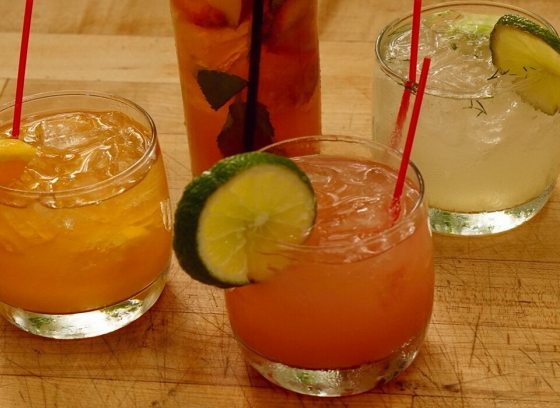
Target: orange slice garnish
(15, 154)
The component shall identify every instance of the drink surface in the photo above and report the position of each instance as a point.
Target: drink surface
(344, 299)
(479, 145)
(457, 44)
(64, 253)
(214, 41)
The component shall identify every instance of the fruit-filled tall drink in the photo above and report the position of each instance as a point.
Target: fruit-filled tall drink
(85, 234)
(213, 41)
(347, 308)
(488, 142)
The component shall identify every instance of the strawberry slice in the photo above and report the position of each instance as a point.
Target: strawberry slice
(200, 13)
(233, 10)
(290, 26)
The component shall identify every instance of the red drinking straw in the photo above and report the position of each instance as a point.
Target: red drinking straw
(395, 204)
(409, 84)
(21, 69)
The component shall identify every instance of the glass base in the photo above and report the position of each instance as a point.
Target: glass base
(335, 382)
(486, 223)
(86, 324)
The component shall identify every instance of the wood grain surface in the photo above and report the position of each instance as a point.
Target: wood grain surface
(494, 339)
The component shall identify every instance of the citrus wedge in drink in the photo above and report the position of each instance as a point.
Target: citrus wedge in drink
(231, 218)
(530, 52)
(14, 156)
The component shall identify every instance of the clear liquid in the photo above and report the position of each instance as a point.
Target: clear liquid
(479, 145)
(457, 44)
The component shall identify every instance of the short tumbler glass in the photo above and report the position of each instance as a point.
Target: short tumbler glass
(489, 158)
(85, 233)
(350, 306)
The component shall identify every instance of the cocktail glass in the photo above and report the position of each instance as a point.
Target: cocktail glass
(489, 158)
(85, 233)
(348, 308)
(213, 49)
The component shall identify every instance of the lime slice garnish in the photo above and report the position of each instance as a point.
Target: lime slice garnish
(14, 156)
(230, 217)
(530, 52)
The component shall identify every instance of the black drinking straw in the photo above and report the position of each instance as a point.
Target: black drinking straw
(254, 73)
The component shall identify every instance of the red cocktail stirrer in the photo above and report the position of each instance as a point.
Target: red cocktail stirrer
(21, 68)
(395, 204)
(412, 66)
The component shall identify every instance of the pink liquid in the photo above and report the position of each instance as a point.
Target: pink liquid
(352, 300)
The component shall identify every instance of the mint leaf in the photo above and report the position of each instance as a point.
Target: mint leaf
(230, 139)
(219, 87)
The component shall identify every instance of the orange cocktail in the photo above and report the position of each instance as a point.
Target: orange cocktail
(357, 296)
(85, 239)
(213, 46)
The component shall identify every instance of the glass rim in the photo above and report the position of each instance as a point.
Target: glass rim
(69, 192)
(401, 223)
(399, 78)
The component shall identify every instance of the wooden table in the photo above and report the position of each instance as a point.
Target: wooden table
(494, 339)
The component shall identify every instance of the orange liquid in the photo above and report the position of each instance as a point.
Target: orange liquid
(66, 256)
(328, 312)
(289, 70)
